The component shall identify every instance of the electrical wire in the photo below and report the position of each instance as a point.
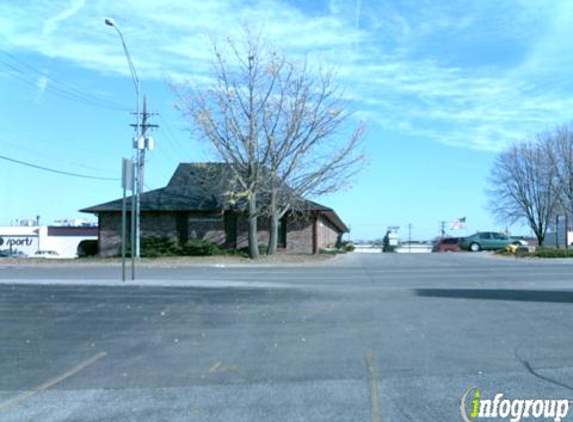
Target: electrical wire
(65, 173)
(73, 89)
(55, 87)
(51, 158)
(170, 134)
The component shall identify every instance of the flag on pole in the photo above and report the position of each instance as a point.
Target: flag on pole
(458, 224)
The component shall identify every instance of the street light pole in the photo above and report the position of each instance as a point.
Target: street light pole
(138, 152)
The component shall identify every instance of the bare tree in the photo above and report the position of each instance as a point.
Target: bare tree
(523, 187)
(558, 146)
(229, 116)
(312, 149)
(274, 122)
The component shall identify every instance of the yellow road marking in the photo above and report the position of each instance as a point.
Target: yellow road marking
(26, 395)
(370, 359)
(218, 367)
(215, 367)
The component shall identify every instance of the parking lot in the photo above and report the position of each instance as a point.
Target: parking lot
(371, 337)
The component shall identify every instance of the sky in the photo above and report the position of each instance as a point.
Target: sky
(442, 87)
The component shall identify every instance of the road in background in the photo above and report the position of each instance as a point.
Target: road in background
(400, 337)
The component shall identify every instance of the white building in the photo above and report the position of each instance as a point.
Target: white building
(31, 239)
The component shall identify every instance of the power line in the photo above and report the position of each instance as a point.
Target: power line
(54, 90)
(175, 141)
(67, 86)
(65, 173)
(55, 87)
(44, 155)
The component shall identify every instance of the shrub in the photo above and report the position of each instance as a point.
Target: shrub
(329, 251)
(200, 248)
(553, 253)
(245, 251)
(347, 246)
(155, 246)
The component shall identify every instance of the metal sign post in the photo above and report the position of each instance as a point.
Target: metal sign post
(127, 169)
(134, 234)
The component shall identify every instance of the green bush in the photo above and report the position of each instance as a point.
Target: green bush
(200, 248)
(330, 251)
(553, 253)
(245, 251)
(347, 246)
(156, 246)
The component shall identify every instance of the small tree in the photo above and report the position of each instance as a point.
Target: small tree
(274, 122)
(303, 127)
(229, 116)
(523, 187)
(558, 145)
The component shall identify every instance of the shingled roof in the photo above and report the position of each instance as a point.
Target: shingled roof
(201, 187)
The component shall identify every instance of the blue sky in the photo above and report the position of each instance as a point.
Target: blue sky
(442, 86)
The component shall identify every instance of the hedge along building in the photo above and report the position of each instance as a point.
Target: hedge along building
(198, 203)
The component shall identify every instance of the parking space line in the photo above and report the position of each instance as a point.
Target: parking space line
(215, 367)
(219, 367)
(49, 384)
(370, 359)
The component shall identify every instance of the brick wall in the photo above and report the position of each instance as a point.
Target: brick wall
(299, 235)
(243, 232)
(208, 226)
(158, 224)
(211, 227)
(327, 235)
(109, 234)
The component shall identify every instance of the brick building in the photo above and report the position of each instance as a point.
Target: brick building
(199, 202)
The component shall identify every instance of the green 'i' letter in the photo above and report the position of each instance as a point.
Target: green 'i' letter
(475, 403)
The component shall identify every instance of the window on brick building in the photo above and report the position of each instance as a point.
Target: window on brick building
(282, 238)
(231, 230)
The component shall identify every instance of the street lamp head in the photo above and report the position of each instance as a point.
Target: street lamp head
(109, 22)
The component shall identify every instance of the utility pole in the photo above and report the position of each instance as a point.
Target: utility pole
(442, 229)
(141, 144)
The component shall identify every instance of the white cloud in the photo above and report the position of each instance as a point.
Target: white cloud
(51, 24)
(404, 63)
(42, 84)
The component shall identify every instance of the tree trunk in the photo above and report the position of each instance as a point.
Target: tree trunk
(540, 240)
(540, 235)
(274, 227)
(253, 238)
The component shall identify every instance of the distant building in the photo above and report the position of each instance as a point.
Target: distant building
(197, 204)
(29, 239)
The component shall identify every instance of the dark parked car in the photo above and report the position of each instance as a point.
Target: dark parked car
(448, 244)
(488, 241)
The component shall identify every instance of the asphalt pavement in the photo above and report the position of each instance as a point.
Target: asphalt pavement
(381, 337)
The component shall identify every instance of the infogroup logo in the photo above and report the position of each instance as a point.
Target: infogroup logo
(474, 407)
